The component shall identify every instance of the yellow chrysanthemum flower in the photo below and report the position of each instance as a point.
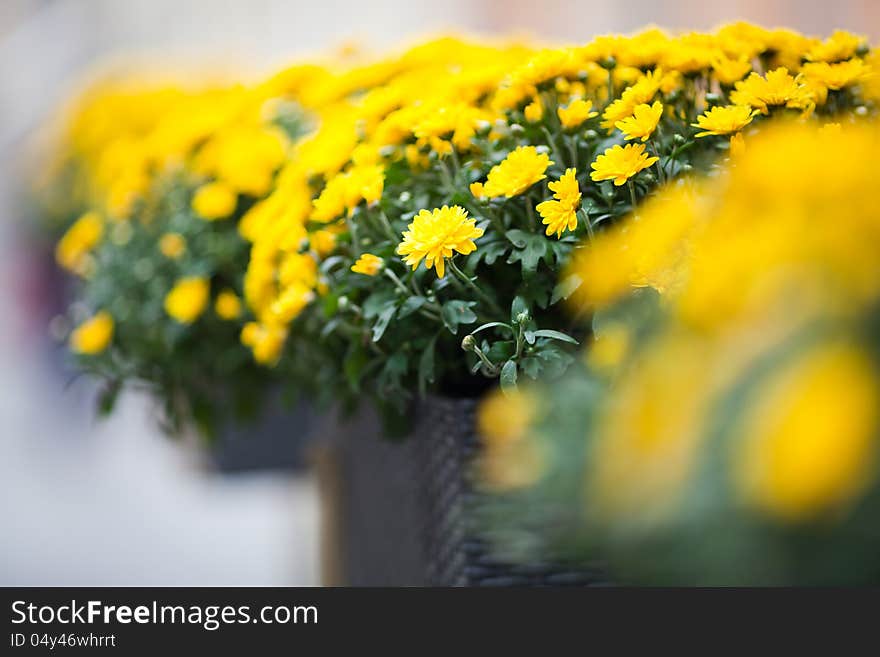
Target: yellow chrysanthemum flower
(368, 264)
(561, 214)
(620, 163)
(575, 113)
(172, 245)
(215, 200)
(80, 238)
(187, 299)
(227, 305)
(435, 235)
(777, 88)
(94, 335)
(643, 122)
(724, 120)
(521, 169)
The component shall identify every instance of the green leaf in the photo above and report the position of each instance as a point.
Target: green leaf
(531, 366)
(490, 252)
(530, 249)
(517, 307)
(379, 302)
(382, 322)
(489, 325)
(566, 287)
(458, 312)
(355, 362)
(508, 375)
(500, 351)
(555, 335)
(411, 305)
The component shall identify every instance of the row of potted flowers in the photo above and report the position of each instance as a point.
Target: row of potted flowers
(417, 223)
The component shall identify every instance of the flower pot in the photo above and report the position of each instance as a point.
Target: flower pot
(405, 509)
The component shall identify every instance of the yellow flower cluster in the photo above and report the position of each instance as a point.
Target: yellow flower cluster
(497, 119)
(781, 251)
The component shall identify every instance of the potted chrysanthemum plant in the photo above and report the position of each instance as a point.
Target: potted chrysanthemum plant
(461, 185)
(157, 177)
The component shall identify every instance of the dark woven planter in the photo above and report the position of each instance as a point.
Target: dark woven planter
(408, 507)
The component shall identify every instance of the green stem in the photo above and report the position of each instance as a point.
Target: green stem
(491, 368)
(386, 224)
(467, 281)
(632, 193)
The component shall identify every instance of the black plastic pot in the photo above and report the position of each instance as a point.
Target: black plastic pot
(407, 507)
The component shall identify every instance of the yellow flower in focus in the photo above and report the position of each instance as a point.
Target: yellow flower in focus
(620, 163)
(534, 111)
(227, 305)
(724, 120)
(512, 459)
(521, 169)
(172, 245)
(777, 88)
(266, 342)
(809, 445)
(94, 335)
(187, 299)
(215, 200)
(435, 235)
(576, 113)
(642, 123)
(368, 264)
(561, 214)
(78, 241)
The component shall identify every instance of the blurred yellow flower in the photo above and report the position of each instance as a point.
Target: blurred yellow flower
(561, 214)
(367, 264)
(214, 200)
(724, 120)
(187, 299)
(737, 145)
(575, 113)
(511, 458)
(227, 305)
(809, 443)
(534, 111)
(620, 163)
(78, 241)
(172, 245)
(266, 342)
(435, 235)
(642, 123)
(94, 335)
(837, 76)
(521, 169)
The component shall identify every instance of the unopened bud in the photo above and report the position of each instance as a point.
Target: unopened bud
(468, 343)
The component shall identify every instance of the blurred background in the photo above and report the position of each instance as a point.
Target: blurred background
(113, 502)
